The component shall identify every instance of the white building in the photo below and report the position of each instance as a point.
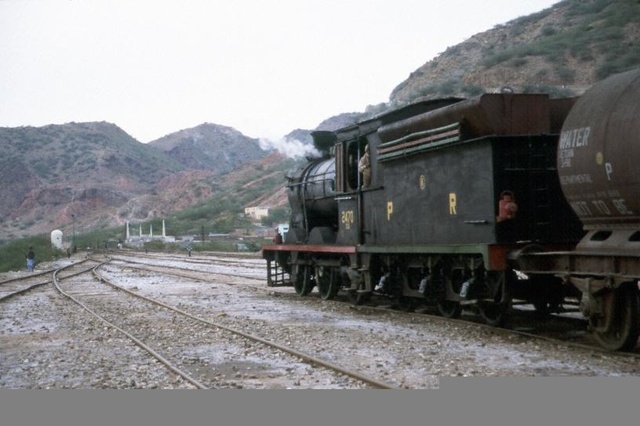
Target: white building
(256, 213)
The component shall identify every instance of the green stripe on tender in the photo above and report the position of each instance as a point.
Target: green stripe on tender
(419, 142)
(418, 135)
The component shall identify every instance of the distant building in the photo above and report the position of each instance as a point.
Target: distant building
(141, 238)
(257, 213)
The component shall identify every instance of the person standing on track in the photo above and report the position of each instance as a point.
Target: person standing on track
(31, 260)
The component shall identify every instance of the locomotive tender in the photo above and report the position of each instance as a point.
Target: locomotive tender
(477, 203)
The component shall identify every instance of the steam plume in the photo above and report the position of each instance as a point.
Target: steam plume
(292, 148)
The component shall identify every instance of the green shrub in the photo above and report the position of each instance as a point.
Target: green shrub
(13, 255)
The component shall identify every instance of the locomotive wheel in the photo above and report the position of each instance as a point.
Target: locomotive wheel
(449, 309)
(303, 282)
(359, 298)
(328, 283)
(624, 330)
(494, 314)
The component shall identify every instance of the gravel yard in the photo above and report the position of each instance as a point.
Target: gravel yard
(48, 342)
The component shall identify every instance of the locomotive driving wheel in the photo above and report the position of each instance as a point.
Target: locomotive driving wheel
(303, 282)
(451, 308)
(495, 312)
(621, 327)
(328, 282)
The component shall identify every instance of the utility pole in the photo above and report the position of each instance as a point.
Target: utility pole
(73, 224)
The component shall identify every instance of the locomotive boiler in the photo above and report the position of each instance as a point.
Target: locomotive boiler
(476, 203)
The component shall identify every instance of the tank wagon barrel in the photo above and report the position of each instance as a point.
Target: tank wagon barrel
(599, 153)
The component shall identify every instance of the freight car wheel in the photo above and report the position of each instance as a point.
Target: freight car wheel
(623, 332)
(302, 281)
(328, 283)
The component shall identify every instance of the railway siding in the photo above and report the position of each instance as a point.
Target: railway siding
(46, 342)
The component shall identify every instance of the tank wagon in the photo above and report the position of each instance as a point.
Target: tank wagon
(598, 157)
(477, 203)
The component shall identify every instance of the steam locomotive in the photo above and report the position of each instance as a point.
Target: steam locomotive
(478, 203)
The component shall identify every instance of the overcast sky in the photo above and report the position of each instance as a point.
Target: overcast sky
(264, 67)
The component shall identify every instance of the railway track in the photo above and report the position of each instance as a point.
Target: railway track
(149, 322)
(561, 328)
(246, 261)
(201, 266)
(396, 348)
(20, 285)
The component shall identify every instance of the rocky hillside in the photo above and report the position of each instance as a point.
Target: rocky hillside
(212, 147)
(56, 174)
(562, 50)
(88, 175)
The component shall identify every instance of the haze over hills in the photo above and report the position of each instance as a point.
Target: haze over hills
(92, 175)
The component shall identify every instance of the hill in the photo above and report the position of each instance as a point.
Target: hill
(211, 147)
(561, 50)
(58, 174)
(89, 175)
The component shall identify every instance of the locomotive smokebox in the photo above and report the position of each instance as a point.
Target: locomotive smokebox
(599, 154)
(311, 193)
